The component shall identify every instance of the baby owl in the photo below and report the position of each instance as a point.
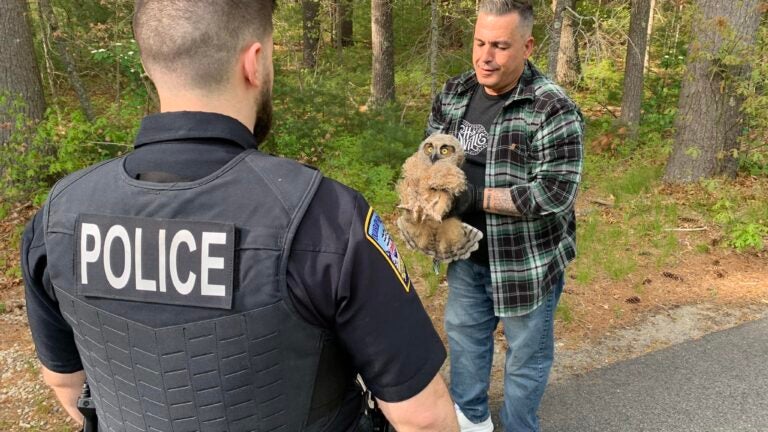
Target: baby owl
(430, 180)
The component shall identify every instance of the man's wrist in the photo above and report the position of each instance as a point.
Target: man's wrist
(499, 201)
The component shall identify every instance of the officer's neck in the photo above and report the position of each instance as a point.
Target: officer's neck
(226, 102)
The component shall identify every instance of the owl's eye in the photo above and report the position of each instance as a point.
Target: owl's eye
(429, 149)
(445, 150)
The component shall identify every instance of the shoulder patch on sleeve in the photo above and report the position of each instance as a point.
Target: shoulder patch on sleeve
(378, 235)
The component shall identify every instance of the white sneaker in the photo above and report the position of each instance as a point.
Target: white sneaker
(465, 425)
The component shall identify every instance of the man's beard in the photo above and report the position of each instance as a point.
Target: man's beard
(263, 117)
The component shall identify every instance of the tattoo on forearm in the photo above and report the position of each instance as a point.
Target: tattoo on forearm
(499, 201)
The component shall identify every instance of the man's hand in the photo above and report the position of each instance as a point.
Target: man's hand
(469, 201)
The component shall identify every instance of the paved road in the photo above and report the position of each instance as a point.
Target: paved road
(716, 383)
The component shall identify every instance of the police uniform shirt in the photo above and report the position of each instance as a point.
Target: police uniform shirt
(344, 273)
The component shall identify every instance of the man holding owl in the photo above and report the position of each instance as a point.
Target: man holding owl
(522, 140)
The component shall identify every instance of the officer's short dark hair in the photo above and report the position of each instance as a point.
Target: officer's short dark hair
(199, 40)
(524, 8)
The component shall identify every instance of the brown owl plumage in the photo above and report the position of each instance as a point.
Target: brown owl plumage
(430, 180)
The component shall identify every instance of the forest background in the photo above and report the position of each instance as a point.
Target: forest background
(673, 208)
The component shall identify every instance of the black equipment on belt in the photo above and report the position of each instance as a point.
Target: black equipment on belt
(88, 410)
(372, 419)
(379, 423)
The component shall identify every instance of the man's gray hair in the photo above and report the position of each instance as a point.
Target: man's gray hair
(524, 8)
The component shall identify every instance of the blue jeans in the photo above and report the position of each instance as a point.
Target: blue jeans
(470, 323)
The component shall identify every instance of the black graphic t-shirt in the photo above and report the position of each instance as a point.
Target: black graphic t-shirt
(473, 134)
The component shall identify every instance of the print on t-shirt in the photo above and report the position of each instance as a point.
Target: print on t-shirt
(473, 137)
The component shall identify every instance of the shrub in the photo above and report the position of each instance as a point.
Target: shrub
(34, 158)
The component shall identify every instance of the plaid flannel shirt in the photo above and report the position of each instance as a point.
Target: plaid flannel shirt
(535, 149)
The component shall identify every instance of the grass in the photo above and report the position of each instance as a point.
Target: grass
(421, 265)
(32, 367)
(18, 232)
(638, 288)
(583, 275)
(604, 249)
(618, 312)
(667, 246)
(563, 312)
(9, 267)
(628, 185)
(42, 406)
(13, 272)
(619, 267)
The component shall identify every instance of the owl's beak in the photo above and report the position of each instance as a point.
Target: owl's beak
(434, 157)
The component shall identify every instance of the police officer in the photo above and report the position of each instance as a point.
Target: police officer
(199, 284)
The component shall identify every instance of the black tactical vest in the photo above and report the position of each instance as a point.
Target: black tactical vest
(220, 347)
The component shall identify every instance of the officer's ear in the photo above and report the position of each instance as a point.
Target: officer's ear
(146, 70)
(252, 64)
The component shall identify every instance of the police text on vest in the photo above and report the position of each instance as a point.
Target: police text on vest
(155, 260)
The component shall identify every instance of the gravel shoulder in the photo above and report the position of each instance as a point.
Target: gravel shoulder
(653, 332)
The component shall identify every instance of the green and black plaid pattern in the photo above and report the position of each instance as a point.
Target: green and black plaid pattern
(535, 150)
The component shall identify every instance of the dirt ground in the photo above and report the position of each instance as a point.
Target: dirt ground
(610, 321)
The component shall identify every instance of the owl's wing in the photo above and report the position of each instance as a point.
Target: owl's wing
(406, 233)
(409, 187)
(463, 250)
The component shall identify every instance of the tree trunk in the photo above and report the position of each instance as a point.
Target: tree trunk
(568, 64)
(453, 23)
(46, 12)
(19, 75)
(709, 120)
(651, 14)
(434, 45)
(347, 34)
(382, 37)
(554, 36)
(637, 42)
(342, 23)
(311, 29)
